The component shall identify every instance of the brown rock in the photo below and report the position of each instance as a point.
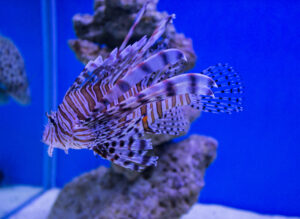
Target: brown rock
(109, 25)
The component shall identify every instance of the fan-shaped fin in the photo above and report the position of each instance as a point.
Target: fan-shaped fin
(228, 94)
(173, 122)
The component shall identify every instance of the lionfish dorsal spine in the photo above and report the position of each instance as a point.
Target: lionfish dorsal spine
(152, 64)
(131, 30)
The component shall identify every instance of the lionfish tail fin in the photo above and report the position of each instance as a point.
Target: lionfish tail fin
(228, 94)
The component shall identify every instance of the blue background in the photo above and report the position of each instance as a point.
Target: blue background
(257, 167)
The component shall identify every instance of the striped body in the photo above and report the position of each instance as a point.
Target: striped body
(114, 102)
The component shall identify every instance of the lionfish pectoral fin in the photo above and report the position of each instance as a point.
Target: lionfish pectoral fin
(173, 122)
(131, 153)
(228, 94)
(123, 143)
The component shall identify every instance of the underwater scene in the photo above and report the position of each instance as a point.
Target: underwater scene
(152, 109)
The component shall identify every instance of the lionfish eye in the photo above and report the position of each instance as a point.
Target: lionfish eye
(50, 118)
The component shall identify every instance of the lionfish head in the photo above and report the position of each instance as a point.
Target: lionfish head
(50, 135)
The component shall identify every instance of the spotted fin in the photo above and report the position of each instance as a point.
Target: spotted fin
(129, 151)
(111, 128)
(173, 122)
(122, 142)
(228, 94)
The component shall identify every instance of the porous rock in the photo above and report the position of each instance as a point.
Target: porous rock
(167, 191)
(100, 33)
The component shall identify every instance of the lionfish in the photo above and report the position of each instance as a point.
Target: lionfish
(13, 80)
(115, 101)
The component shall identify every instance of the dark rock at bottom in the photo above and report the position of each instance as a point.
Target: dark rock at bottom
(166, 191)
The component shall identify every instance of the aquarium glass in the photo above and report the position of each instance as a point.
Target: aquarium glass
(21, 150)
(258, 154)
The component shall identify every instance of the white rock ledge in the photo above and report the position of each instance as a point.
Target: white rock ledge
(209, 211)
(40, 208)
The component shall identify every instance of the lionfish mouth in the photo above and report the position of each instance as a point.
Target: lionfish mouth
(45, 138)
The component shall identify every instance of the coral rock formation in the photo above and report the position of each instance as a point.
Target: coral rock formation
(100, 33)
(167, 191)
